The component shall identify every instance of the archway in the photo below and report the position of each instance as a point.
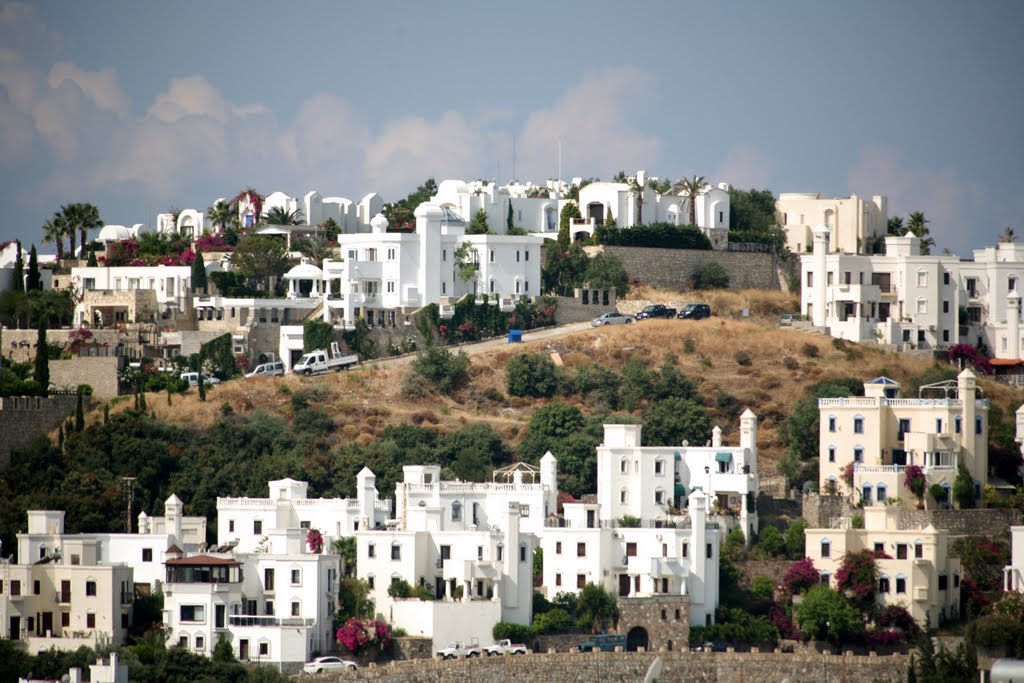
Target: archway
(637, 638)
(595, 211)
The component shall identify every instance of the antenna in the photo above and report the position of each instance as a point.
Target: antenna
(128, 492)
(513, 157)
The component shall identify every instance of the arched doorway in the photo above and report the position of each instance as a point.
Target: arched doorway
(595, 210)
(637, 638)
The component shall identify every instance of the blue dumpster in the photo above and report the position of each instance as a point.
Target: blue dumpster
(515, 336)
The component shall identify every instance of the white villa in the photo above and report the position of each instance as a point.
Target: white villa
(915, 301)
(856, 223)
(601, 200)
(881, 434)
(917, 573)
(534, 208)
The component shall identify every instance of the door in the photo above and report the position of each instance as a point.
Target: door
(243, 650)
(623, 584)
(14, 632)
(47, 623)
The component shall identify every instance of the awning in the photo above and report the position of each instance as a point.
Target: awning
(723, 457)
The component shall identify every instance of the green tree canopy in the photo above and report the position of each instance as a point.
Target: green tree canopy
(825, 614)
(671, 421)
(605, 271)
(531, 374)
(260, 258)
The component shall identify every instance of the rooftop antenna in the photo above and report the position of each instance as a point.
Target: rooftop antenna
(513, 156)
(128, 483)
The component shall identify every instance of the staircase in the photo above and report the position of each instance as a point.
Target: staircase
(316, 313)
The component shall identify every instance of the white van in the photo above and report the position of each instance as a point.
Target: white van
(274, 369)
(193, 379)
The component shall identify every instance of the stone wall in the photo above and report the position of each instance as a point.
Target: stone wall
(22, 418)
(751, 569)
(963, 522)
(584, 305)
(663, 619)
(820, 509)
(100, 373)
(20, 345)
(615, 667)
(408, 647)
(674, 268)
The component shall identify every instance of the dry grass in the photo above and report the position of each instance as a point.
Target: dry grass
(724, 302)
(364, 401)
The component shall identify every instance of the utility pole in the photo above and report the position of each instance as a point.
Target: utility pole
(128, 491)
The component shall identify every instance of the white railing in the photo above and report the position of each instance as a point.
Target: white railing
(471, 487)
(862, 402)
(249, 502)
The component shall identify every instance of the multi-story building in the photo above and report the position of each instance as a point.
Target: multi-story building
(906, 298)
(263, 524)
(880, 434)
(857, 224)
(121, 294)
(652, 482)
(915, 569)
(64, 595)
(273, 607)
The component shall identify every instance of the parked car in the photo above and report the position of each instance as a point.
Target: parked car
(322, 664)
(613, 318)
(460, 649)
(656, 311)
(274, 369)
(193, 379)
(695, 312)
(605, 642)
(505, 647)
(787, 319)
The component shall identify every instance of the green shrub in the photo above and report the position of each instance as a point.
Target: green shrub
(689, 345)
(657, 235)
(441, 368)
(770, 542)
(809, 350)
(711, 275)
(400, 588)
(743, 358)
(316, 335)
(517, 633)
(531, 374)
(555, 620)
(763, 587)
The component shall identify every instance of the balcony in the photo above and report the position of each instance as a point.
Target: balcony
(127, 598)
(63, 598)
(267, 621)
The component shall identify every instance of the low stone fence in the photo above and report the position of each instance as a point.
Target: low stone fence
(630, 667)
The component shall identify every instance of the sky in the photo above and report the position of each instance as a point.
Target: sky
(141, 106)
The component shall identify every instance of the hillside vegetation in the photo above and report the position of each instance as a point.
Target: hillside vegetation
(679, 378)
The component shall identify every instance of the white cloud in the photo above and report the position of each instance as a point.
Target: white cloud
(102, 87)
(592, 122)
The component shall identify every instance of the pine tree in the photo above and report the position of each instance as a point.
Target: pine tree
(199, 273)
(79, 412)
(19, 270)
(41, 372)
(34, 279)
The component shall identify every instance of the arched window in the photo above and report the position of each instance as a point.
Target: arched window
(659, 467)
(865, 493)
(659, 495)
(858, 454)
(831, 453)
(918, 549)
(901, 584)
(881, 493)
(623, 496)
(883, 583)
(858, 424)
(825, 578)
(623, 466)
(826, 548)
(456, 511)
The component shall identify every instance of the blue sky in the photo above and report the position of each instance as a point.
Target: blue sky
(140, 106)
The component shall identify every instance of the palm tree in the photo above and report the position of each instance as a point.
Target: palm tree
(222, 214)
(314, 248)
(53, 231)
(90, 219)
(1008, 236)
(895, 226)
(918, 224)
(637, 190)
(692, 188)
(279, 216)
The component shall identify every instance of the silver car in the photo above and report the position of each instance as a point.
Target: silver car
(613, 318)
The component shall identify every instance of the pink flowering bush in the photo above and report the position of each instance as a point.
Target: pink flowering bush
(359, 634)
(210, 243)
(801, 576)
(315, 541)
(914, 480)
(78, 338)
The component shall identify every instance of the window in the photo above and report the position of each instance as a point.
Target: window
(558, 579)
(956, 580)
(831, 453)
(182, 641)
(922, 278)
(881, 493)
(522, 553)
(456, 511)
(943, 582)
(517, 256)
(826, 548)
(90, 620)
(904, 427)
(90, 588)
(858, 425)
(16, 588)
(391, 286)
(444, 255)
(865, 493)
(65, 619)
(977, 424)
(492, 256)
(685, 551)
(219, 615)
(883, 583)
(371, 550)
(918, 550)
(369, 581)
(192, 613)
(581, 580)
(945, 305)
(264, 649)
(659, 467)
(581, 550)
(901, 551)
(391, 254)
(501, 552)
(257, 526)
(492, 286)
(631, 550)
(296, 577)
(623, 465)
(831, 423)
(396, 551)
(479, 552)
(200, 643)
(296, 608)
(36, 588)
(659, 496)
(623, 496)
(956, 423)
(526, 257)
(945, 278)
(268, 579)
(147, 554)
(708, 551)
(558, 548)
(858, 454)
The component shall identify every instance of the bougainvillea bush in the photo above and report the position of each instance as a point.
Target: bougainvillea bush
(858, 574)
(358, 635)
(915, 480)
(800, 576)
(315, 541)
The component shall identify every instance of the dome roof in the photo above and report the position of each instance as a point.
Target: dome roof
(139, 229)
(452, 186)
(114, 233)
(379, 223)
(304, 271)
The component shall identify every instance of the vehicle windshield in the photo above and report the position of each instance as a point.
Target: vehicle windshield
(650, 308)
(305, 359)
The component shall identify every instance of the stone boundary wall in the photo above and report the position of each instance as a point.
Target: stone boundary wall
(751, 569)
(674, 268)
(571, 309)
(983, 522)
(99, 372)
(22, 418)
(411, 647)
(819, 510)
(676, 667)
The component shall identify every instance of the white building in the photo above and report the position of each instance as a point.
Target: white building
(248, 524)
(915, 301)
(856, 223)
(1013, 574)
(535, 209)
(169, 284)
(915, 568)
(600, 200)
(880, 434)
(273, 607)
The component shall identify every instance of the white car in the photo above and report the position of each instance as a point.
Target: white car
(613, 318)
(193, 379)
(321, 664)
(275, 369)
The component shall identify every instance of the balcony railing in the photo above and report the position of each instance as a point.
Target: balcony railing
(267, 621)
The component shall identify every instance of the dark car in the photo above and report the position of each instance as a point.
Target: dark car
(656, 311)
(695, 312)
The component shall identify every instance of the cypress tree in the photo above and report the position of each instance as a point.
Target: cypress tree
(41, 372)
(79, 413)
(19, 270)
(142, 401)
(510, 213)
(34, 280)
(106, 413)
(199, 272)
(170, 390)
(202, 386)
(60, 436)
(92, 263)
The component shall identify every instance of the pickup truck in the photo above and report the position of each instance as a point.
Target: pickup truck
(656, 311)
(459, 649)
(318, 362)
(505, 647)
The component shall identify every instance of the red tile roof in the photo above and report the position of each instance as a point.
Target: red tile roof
(202, 561)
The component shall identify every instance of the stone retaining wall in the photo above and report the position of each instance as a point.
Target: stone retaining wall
(674, 268)
(22, 418)
(630, 667)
